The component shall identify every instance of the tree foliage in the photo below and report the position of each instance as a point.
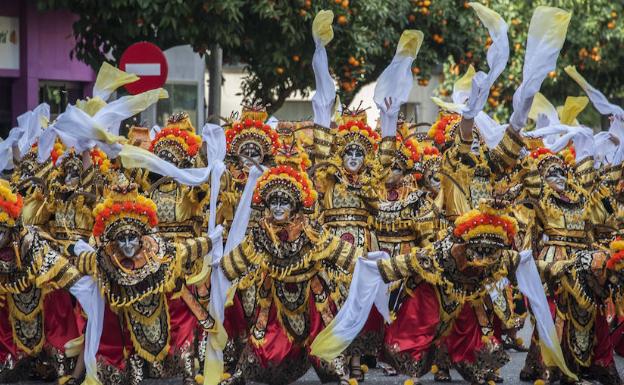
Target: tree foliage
(594, 45)
(272, 39)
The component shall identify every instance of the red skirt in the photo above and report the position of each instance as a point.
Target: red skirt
(182, 325)
(60, 324)
(413, 331)
(115, 338)
(465, 341)
(603, 348)
(276, 347)
(8, 348)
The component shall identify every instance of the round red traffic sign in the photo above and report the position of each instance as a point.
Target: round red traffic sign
(148, 62)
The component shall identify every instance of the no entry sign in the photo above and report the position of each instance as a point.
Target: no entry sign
(148, 62)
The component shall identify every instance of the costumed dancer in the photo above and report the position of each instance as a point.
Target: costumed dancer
(476, 160)
(137, 270)
(32, 268)
(294, 264)
(586, 282)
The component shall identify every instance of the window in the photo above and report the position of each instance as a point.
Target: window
(182, 97)
(5, 107)
(58, 95)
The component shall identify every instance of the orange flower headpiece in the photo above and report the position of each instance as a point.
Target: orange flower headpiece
(616, 260)
(285, 180)
(100, 160)
(358, 132)
(408, 152)
(486, 225)
(254, 132)
(442, 130)
(10, 205)
(177, 142)
(124, 210)
(545, 159)
(430, 159)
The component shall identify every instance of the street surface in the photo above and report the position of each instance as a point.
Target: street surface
(375, 376)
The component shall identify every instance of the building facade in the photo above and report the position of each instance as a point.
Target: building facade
(35, 62)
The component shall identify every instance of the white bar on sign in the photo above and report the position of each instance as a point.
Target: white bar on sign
(143, 69)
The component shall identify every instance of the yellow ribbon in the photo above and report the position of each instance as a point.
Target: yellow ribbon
(322, 26)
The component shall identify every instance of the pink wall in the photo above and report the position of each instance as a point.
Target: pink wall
(46, 41)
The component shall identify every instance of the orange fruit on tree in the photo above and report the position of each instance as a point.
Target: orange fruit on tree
(279, 70)
(342, 20)
(296, 58)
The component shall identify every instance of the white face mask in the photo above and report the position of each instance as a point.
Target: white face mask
(280, 208)
(252, 151)
(5, 235)
(556, 180)
(129, 245)
(353, 159)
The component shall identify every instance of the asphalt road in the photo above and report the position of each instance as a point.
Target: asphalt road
(375, 376)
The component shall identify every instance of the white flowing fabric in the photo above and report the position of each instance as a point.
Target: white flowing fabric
(530, 285)
(396, 81)
(6, 149)
(597, 98)
(547, 33)
(325, 94)
(602, 104)
(366, 288)
(497, 57)
(214, 137)
(543, 113)
(325, 89)
(617, 129)
(136, 157)
(78, 129)
(32, 124)
(220, 285)
(88, 295)
(491, 131)
(606, 149)
(561, 135)
(110, 78)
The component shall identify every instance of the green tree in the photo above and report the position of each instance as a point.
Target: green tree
(594, 45)
(272, 38)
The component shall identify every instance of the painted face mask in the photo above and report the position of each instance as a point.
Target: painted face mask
(556, 179)
(280, 207)
(128, 244)
(353, 159)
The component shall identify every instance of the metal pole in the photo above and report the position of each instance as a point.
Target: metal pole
(215, 69)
